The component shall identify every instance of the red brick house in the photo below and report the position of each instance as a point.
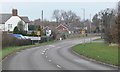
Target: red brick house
(62, 28)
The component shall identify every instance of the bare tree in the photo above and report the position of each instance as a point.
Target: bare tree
(57, 15)
(107, 17)
(63, 16)
(69, 17)
(96, 21)
(116, 34)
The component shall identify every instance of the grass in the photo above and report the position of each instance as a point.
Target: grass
(9, 50)
(98, 51)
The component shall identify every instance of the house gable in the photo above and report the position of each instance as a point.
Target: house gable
(62, 28)
(13, 21)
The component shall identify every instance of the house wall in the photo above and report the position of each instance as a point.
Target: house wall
(14, 21)
(2, 27)
(26, 27)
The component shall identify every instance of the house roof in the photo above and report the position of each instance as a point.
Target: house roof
(37, 22)
(62, 25)
(69, 26)
(25, 19)
(4, 18)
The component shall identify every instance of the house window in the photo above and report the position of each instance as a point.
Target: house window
(9, 26)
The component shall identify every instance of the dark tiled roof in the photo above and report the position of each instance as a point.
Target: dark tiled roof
(26, 19)
(4, 18)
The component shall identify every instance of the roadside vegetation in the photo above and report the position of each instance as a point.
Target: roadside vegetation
(98, 51)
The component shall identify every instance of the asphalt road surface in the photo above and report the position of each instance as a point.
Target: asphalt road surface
(57, 56)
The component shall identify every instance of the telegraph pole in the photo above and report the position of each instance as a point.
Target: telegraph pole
(84, 24)
(90, 28)
(42, 18)
(41, 27)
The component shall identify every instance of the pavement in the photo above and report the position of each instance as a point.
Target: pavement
(57, 56)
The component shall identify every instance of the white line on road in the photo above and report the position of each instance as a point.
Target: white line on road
(51, 45)
(58, 66)
(42, 53)
(81, 61)
(49, 60)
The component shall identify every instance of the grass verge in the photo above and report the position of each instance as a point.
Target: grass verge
(98, 51)
(9, 50)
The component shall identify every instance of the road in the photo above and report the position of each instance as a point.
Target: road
(57, 56)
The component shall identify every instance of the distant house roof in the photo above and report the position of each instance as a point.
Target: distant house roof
(4, 18)
(68, 26)
(31, 23)
(63, 25)
(25, 19)
(37, 22)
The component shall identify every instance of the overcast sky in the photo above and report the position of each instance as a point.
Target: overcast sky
(33, 9)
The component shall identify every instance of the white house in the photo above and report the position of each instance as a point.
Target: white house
(9, 21)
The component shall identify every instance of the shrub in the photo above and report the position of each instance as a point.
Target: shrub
(8, 40)
(16, 30)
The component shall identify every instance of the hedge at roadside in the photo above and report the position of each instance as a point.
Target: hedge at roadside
(8, 40)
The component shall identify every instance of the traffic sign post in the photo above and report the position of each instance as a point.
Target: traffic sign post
(38, 33)
(83, 34)
(48, 33)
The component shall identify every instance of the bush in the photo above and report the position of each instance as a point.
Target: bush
(8, 40)
(44, 39)
(16, 30)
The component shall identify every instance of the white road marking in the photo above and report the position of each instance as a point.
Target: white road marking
(49, 60)
(42, 53)
(46, 56)
(58, 66)
(80, 61)
(51, 45)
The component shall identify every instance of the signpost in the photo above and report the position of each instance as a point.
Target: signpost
(38, 33)
(48, 33)
(82, 31)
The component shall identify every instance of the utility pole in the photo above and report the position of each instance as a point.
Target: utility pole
(41, 27)
(42, 18)
(84, 25)
(90, 28)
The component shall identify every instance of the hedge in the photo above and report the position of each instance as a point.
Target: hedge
(8, 40)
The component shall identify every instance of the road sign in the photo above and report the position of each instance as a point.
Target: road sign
(82, 31)
(48, 32)
(38, 33)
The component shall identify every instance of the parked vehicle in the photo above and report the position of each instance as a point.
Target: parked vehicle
(19, 36)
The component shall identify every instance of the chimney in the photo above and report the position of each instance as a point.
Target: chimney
(14, 12)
